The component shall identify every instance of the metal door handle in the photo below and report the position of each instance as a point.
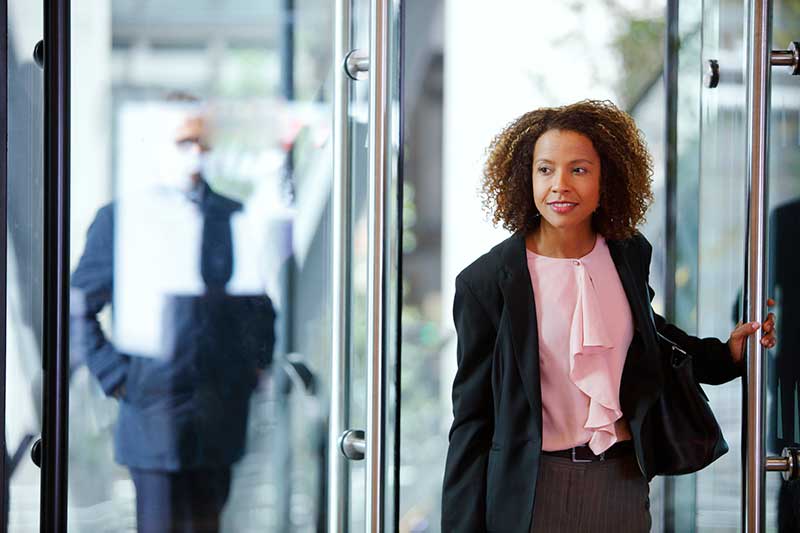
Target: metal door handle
(352, 444)
(38, 54)
(378, 260)
(56, 266)
(341, 192)
(36, 453)
(356, 65)
(788, 464)
(787, 58)
(711, 77)
(777, 58)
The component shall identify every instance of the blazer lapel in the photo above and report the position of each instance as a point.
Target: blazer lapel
(634, 290)
(515, 284)
(642, 379)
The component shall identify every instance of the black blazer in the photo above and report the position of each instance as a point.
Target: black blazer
(496, 436)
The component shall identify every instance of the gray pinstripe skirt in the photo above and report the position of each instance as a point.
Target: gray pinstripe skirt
(609, 496)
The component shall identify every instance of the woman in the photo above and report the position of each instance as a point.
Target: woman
(557, 354)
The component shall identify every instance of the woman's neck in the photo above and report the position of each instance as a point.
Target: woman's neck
(569, 243)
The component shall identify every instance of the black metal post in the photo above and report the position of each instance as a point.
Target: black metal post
(287, 90)
(398, 397)
(677, 491)
(55, 354)
(287, 49)
(672, 38)
(4, 475)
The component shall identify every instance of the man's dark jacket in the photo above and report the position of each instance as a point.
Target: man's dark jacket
(188, 410)
(496, 436)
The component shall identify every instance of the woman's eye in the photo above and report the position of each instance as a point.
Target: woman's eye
(543, 170)
(579, 170)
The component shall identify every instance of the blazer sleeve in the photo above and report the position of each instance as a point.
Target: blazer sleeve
(91, 289)
(464, 488)
(712, 361)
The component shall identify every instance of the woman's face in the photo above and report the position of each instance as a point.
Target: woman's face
(566, 179)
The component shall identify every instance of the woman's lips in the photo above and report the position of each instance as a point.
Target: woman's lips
(562, 207)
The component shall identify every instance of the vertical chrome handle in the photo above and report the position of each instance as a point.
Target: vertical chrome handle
(338, 471)
(759, 63)
(758, 78)
(379, 150)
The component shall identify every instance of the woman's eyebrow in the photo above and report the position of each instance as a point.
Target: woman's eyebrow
(580, 160)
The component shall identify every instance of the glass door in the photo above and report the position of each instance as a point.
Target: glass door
(721, 242)
(741, 217)
(222, 229)
(21, 244)
(363, 433)
(783, 183)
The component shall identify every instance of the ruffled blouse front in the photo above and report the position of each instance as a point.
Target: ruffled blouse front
(585, 328)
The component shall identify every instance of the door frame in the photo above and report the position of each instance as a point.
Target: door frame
(55, 320)
(4, 477)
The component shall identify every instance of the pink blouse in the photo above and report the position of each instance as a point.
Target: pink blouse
(585, 329)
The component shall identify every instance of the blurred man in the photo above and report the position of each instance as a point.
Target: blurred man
(186, 354)
(783, 419)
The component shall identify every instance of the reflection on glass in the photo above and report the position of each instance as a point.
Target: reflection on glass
(193, 326)
(783, 370)
(23, 327)
(200, 300)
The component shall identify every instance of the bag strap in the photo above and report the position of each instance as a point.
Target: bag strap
(673, 344)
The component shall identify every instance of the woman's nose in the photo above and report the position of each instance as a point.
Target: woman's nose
(560, 181)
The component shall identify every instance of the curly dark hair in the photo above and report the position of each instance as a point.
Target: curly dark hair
(626, 167)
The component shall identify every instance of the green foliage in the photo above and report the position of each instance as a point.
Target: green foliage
(640, 44)
(786, 21)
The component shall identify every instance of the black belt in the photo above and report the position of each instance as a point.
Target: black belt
(584, 454)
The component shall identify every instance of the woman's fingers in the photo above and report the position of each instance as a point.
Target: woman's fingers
(769, 323)
(769, 340)
(743, 330)
(748, 328)
(737, 339)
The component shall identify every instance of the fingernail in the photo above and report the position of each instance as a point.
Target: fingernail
(755, 325)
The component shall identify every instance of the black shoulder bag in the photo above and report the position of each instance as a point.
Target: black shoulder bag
(685, 434)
